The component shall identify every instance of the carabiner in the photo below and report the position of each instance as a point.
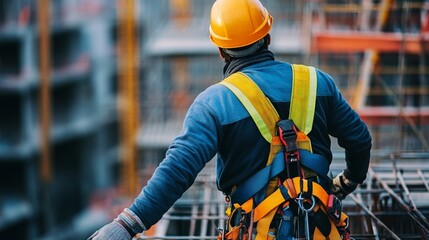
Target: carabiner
(300, 201)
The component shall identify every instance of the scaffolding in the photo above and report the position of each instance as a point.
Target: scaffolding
(376, 51)
(392, 203)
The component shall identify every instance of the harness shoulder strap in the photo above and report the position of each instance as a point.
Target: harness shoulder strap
(303, 98)
(253, 99)
(303, 102)
(265, 116)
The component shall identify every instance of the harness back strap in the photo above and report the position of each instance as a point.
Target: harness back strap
(253, 185)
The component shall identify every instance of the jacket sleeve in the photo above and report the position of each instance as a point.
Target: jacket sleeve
(185, 158)
(352, 134)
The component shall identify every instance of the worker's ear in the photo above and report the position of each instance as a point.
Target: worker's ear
(223, 55)
(268, 39)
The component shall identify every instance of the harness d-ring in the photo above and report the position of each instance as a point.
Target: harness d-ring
(300, 201)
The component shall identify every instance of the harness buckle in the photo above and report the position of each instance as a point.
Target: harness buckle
(221, 233)
(288, 134)
(334, 208)
(293, 158)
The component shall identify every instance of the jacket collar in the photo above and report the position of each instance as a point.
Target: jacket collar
(237, 64)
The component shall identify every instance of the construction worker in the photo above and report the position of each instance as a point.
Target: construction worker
(218, 123)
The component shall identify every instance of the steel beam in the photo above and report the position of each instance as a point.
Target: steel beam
(352, 42)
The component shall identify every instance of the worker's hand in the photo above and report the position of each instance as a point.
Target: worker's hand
(113, 230)
(341, 186)
(124, 227)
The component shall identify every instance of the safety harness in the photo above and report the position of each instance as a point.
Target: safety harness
(291, 178)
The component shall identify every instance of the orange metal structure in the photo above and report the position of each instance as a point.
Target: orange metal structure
(44, 97)
(128, 98)
(383, 115)
(337, 42)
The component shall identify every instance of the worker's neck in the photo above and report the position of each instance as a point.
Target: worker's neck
(236, 64)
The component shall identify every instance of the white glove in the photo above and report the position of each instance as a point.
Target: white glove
(341, 186)
(124, 227)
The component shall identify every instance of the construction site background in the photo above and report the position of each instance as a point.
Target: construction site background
(93, 92)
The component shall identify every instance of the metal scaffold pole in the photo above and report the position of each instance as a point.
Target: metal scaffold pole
(371, 56)
(418, 218)
(128, 95)
(373, 217)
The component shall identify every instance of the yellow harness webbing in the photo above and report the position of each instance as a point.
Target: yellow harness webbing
(303, 102)
(260, 109)
(303, 98)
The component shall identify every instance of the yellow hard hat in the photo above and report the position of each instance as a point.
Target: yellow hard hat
(238, 23)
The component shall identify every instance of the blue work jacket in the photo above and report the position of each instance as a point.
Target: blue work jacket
(217, 123)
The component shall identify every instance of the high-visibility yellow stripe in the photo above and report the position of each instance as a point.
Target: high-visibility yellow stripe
(260, 108)
(303, 98)
(263, 128)
(311, 100)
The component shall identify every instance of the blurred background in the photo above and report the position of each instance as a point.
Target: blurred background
(93, 92)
